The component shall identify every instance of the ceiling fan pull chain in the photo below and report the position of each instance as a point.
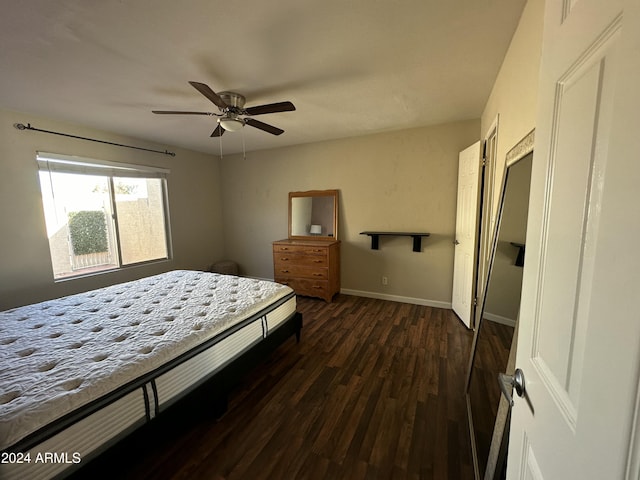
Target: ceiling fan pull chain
(244, 152)
(220, 138)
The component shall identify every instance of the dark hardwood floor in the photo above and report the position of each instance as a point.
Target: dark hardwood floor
(374, 390)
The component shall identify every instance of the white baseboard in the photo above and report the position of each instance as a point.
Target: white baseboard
(499, 319)
(384, 296)
(397, 298)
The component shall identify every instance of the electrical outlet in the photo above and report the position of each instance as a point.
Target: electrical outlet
(385, 280)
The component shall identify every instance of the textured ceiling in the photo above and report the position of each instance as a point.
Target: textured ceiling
(351, 68)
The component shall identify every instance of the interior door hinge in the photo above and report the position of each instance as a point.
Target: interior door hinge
(475, 302)
(484, 153)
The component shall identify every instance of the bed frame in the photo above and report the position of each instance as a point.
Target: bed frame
(216, 384)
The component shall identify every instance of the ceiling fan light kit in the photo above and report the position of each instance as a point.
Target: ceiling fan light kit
(232, 111)
(231, 124)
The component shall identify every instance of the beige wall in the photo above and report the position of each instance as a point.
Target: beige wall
(25, 264)
(402, 181)
(395, 181)
(515, 91)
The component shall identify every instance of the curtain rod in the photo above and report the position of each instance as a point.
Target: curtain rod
(28, 126)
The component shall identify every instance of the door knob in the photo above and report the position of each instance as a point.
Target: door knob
(516, 381)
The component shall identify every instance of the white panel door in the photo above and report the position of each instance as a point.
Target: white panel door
(466, 233)
(579, 335)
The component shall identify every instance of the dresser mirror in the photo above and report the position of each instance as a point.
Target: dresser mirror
(313, 215)
(493, 347)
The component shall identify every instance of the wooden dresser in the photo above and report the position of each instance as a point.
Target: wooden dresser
(311, 268)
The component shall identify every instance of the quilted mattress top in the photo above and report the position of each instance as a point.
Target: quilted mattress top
(58, 355)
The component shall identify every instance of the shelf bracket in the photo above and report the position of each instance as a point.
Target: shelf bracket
(520, 258)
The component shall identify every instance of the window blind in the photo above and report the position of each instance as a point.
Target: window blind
(53, 162)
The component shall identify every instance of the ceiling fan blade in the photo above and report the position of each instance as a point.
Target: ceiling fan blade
(218, 132)
(175, 112)
(210, 94)
(263, 126)
(271, 108)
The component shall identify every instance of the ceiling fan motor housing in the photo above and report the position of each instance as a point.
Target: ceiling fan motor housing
(234, 100)
(231, 120)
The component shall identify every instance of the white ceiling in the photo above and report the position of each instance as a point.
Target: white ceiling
(350, 67)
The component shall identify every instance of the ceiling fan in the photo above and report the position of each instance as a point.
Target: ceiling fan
(232, 112)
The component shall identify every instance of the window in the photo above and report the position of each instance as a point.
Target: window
(102, 215)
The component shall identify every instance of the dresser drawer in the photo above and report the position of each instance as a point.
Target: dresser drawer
(301, 259)
(300, 249)
(284, 269)
(306, 286)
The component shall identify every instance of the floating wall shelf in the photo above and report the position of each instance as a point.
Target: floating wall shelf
(417, 238)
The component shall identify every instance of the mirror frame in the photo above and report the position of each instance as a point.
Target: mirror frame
(316, 193)
(498, 448)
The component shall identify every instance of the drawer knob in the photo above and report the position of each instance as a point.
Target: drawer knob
(284, 271)
(284, 259)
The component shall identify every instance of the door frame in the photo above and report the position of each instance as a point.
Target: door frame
(483, 239)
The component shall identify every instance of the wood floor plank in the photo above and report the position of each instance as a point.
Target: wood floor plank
(374, 390)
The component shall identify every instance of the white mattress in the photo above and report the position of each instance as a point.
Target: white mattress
(60, 355)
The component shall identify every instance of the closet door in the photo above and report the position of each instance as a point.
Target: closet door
(464, 271)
